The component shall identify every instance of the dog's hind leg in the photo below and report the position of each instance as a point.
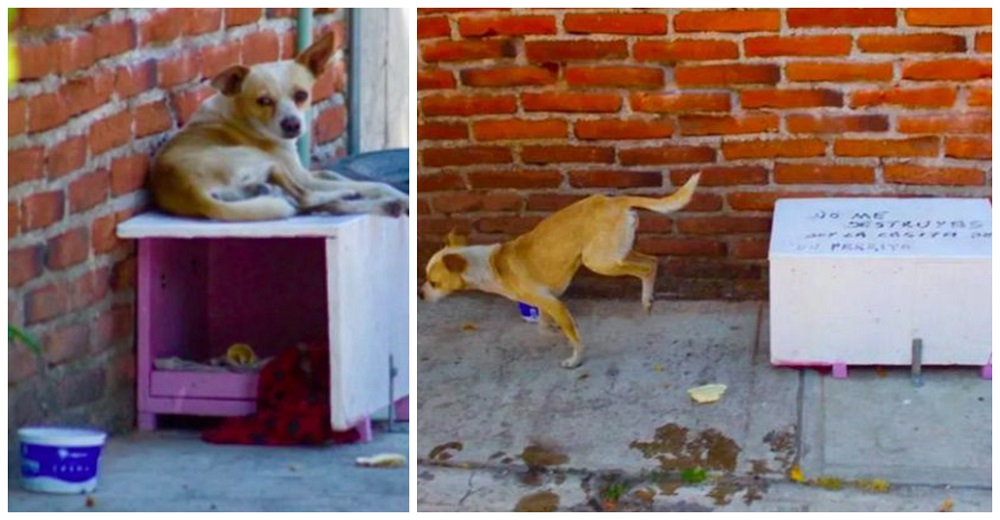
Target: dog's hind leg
(636, 264)
(557, 311)
(257, 208)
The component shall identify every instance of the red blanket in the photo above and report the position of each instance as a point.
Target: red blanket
(293, 404)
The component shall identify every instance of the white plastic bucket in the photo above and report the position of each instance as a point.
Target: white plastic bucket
(60, 460)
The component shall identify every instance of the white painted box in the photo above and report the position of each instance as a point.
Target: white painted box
(853, 281)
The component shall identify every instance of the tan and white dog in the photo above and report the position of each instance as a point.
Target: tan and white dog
(236, 158)
(536, 267)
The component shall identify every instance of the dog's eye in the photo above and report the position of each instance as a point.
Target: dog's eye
(265, 101)
(300, 96)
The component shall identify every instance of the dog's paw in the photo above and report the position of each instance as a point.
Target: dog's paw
(571, 362)
(394, 208)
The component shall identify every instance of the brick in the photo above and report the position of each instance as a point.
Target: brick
(951, 124)
(703, 202)
(722, 125)
(667, 155)
(75, 54)
(89, 190)
(909, 97)
(201, 20)
(123, 274)
(574, 50)
(13, 219)
(502, 201)
(83, 94)
(866, 17)
(260, 47)
(723, 225)
(36, 60)
(102, 234)
(722, 176)
(42, 209)
(469, 26)
(24, 264)
(440, 182)
(679, 246)
(835, 124)
(968, 148)
(135, 79)
(152, 118)
(509, 226)
(433, 27)
(623, 129)
(330, 124)
(435, 79)
(42, 18)
(110, 132)
(823, 174)
(17, 117)
(615, 23)
(728, 20)
(949, 17)
(731, 74)
(826, 45)
(957, 70)
(615, 179)
(66, 157)
(242, 16)
(186, 103)
(551, 202)
(655, 223)
(567, 154)
(114, 325)
(508, 76)
(938, 176)
(984, 43)
(86, 14)
(685, 50)
(22, 364)
(465, 156)
(68, 248)
(128, 174)
(518, 179)
(914, 147)
(25, 164)
(764, 201)
(459, 202)
(162, 26)
(467, 105)
(66, 343)
(80, 388)
(514, 129)
(46, 302)
(618, 77)
(470, 50)
(753, 248)
(442, 131)
(907, 43)
(46, 111)
(791, 98)
(773, 148)
(217, 58)
(423, 208)
(114, 38)
(838, 72)
(569, 102)
(980, 97)
(680, 102)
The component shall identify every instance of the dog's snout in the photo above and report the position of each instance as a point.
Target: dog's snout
(291, 126)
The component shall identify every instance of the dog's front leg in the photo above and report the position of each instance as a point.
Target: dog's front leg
(557, 311)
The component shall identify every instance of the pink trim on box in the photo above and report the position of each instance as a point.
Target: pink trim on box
(209, 385)
(987, 370)
(839, 371)
(403, 409)
(209, 407)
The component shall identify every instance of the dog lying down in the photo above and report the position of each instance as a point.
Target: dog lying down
(536, 267)
(236, 158)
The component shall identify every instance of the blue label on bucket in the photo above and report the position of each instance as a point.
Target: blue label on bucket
(528, 312)
(77, 464)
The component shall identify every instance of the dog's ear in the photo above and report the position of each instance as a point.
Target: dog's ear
(317, 56)
(455, 240)
(455, 263)
(230, 81)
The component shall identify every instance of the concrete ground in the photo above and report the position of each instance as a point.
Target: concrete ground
(176, 471)
(502, 427)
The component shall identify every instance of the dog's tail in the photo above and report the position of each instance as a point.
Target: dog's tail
(672, 202)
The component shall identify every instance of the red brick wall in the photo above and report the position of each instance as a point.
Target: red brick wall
(523, 111)
(100, 90)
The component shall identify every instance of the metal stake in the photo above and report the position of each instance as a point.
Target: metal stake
(392, 400)
(916, 359)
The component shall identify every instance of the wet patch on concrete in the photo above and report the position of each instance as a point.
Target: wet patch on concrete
(541, 502)
(536, 456)
(442, 452)
(676, 449)
(782, 443)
